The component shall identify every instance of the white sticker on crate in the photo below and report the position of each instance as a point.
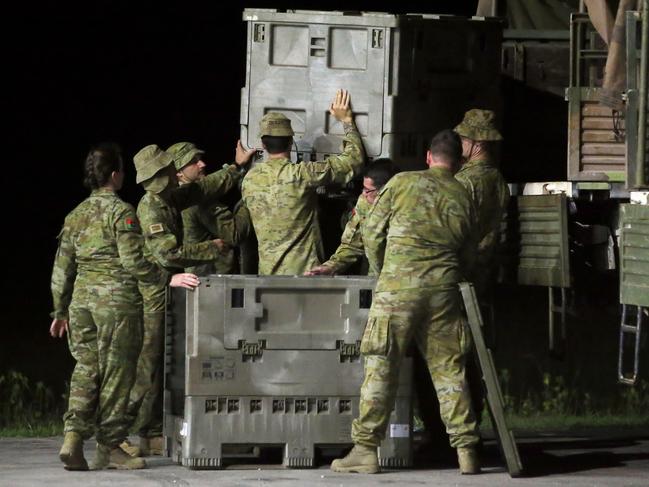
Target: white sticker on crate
(399, 430)
(183, 430)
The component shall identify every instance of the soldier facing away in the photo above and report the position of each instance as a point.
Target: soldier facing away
(281, 196)
(420, 234)
(209, 221)
(159, 214)
(98, 265)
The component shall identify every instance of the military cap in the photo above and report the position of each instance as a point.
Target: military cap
(478, 125)
(149, 161)
(183, 153)
(276, 125)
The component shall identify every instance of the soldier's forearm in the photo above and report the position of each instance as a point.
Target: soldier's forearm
(205, 190)
(352, 143)
(345, 256)
(192, 254)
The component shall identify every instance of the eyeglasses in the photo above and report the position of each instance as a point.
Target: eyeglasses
(368, 191)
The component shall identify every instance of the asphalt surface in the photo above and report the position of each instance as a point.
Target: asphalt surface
(602, 459)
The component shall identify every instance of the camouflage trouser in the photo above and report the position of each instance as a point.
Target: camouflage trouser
(104, 340)
(145, 404)
(434, 319)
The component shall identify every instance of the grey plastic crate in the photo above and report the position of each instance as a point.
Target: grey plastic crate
(271, 360)
(404, 86)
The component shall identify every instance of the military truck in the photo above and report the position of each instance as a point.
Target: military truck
(598, 215)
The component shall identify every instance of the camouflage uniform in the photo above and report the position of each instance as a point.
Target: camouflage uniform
(490, 195)
(489, 192)
(418, 232)
(282, 201)
(207, 222)
(98, 266)
(351, 246)
(159, 216)
(204, 222)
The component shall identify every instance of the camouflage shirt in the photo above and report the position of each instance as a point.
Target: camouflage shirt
(282, 201)
(490, 195)
(101, 250)
(351, 246)
(161, 221)
(207, 222)
(420, 232)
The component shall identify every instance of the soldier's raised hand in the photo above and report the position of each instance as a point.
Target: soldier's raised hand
(241, 155)
(340, 107)
(185, 279)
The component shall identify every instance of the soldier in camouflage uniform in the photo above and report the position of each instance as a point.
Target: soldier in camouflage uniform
(281, 196)
(480, 176)
(351, 247)
(98, 265)
(420, 235)
(209, 221)
(159, 214)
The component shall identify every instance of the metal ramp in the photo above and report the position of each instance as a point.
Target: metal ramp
(494, 395)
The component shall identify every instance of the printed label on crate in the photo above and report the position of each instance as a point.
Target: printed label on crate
(217, 369)
(345, 430)
(399, 430)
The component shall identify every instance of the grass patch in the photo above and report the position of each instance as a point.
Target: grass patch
(562, 423)
(40, 428)
(29, 409)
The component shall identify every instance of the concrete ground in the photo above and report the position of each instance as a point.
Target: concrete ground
(600, 459)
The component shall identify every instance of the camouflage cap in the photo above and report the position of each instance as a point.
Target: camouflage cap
(149, 161)
(478, 125)
(184, 153)
(276, 125)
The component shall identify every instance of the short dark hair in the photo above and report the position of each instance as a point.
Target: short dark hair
(380, 171)
(276, 145)
(447, 146)
(101, 162)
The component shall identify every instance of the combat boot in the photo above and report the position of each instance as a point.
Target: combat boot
(467, 458)
(362, 459)
(130, 448)
(71, 453)
(151, 446)
(116, 458)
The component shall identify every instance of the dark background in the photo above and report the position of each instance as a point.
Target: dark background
(137, 75)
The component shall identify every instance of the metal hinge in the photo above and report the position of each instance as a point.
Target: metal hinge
(251, 352)
(349, 352)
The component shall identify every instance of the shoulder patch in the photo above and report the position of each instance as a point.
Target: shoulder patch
(156, 228)
(130, 223)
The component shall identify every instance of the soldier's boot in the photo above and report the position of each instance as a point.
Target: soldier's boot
(116, 458)
(467, 458)
(71, 453)
(130, 448)
(151, 446)
(361, 459)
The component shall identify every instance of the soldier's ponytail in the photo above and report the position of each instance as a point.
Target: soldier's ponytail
(101, 162)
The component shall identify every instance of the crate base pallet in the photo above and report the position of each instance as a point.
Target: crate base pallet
(300, 425)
